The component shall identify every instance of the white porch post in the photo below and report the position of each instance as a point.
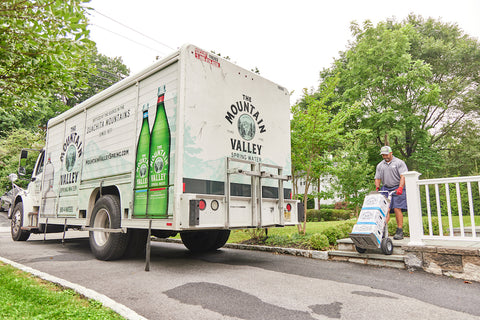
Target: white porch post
(414, 208)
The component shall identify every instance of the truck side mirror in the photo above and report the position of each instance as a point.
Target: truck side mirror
(23, 163)
(23, 154)
(22, 171)
(12, 177)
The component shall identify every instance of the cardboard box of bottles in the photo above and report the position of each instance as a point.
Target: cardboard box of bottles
(367, 235)
(376, 201)
(372, 215)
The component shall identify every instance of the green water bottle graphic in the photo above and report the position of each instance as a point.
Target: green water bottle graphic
(159, 161)
(141, 171)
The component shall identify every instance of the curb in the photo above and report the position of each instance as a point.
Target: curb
(313, 254)
(119, 308)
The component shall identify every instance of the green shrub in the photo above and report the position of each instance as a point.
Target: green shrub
(290, 240)
(333, 234)
(328, 215)
(435, 227)
(319, 241)
(392, 226)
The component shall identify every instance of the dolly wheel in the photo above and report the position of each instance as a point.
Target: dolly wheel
(360, 250)
(387, 246)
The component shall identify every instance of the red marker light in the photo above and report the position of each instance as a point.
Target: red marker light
(202, 204)
(289, 207)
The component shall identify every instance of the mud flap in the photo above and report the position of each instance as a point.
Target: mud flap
(300, 212)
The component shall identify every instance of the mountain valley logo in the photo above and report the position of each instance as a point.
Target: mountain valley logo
(71, 152)
(249, 123)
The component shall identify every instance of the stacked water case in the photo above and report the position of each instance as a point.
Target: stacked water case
(370, 231)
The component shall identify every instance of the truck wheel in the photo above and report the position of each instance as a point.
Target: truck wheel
(17, 223)
(222, 238)
(199, 241)
(136, 243)
(107, 214)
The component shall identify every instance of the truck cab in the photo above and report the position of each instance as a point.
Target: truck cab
(26, 204)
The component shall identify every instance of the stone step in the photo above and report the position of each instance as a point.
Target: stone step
(346, 252)
(467, 231)
(347, 245)
(374, 259)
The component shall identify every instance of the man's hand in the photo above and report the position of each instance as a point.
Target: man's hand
(399, 191)
(377, 188)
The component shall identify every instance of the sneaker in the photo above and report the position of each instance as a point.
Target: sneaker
(399, 234)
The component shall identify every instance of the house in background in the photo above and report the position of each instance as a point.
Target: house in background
(313, 191)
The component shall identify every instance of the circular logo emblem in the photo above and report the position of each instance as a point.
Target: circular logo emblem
(71, 157)
(142, 172)
(246, 127)
(158, 165)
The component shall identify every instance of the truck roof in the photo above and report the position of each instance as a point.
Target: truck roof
(129, 81)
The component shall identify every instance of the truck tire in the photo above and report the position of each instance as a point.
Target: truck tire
(222, 238)
(17, 223)
(136, 243)
(107, 214)
(200, 241)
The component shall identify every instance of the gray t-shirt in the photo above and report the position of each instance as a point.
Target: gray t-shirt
(389, 172)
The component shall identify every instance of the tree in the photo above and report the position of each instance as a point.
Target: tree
(44, 49)
(461, 151)
(354, 175)
(10, 148)
(454, 58)
(315, 132)
(107, 71)
(416, 80)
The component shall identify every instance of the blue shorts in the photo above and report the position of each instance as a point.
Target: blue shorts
(398, 201)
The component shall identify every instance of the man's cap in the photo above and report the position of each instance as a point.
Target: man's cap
(385, 150)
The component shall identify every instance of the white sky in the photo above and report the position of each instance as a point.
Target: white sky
(289, 41)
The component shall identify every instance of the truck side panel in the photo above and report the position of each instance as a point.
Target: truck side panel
(110, 148)
(65, 151)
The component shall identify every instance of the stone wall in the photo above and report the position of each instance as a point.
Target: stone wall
(457, 262)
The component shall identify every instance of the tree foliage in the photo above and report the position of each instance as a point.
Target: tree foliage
(417, 85)
(10, 148)
(44, 49)
(106, 72)
(352, 171)
(417, 81)
(48, 65)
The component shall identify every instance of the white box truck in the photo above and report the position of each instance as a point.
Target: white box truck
(192, 145)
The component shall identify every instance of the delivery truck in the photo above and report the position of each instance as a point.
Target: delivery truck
(193, 145)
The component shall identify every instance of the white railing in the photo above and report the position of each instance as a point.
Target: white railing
(449, 206)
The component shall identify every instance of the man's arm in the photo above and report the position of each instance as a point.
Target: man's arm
(402, 182)
(377, 184)
(401, 185)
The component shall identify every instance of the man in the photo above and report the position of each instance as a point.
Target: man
(390, 173)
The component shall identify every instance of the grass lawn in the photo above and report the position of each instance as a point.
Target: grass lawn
(24, 296)
(455, 221)
(241, 235)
